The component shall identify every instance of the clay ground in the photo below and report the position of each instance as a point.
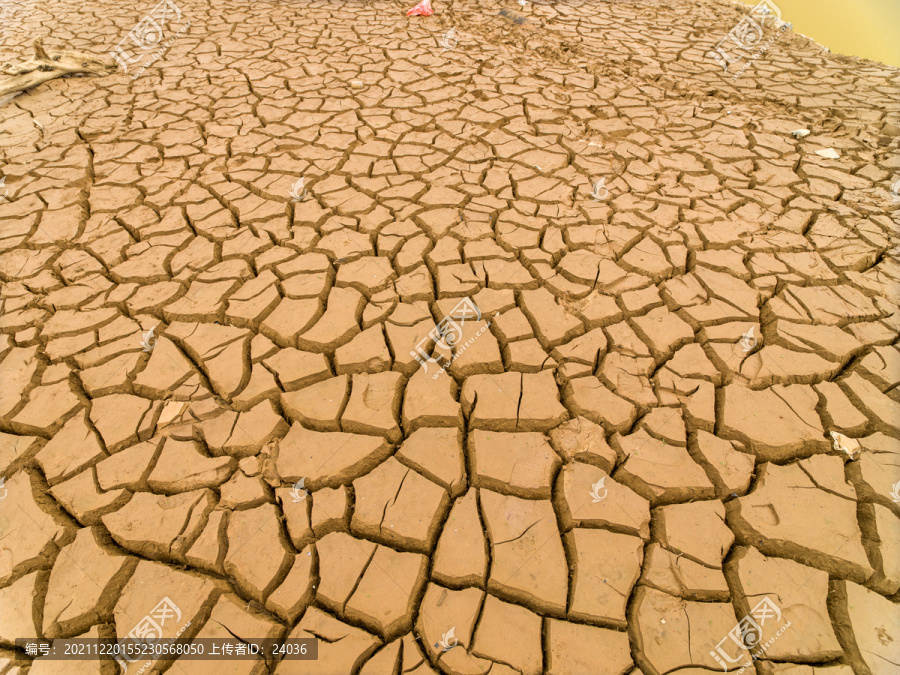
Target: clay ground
(613, 473)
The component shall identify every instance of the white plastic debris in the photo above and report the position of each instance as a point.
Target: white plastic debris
(800, 133)
(828, 153)
(849, 446)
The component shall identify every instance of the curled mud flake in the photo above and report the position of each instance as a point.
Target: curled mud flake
(849, 446)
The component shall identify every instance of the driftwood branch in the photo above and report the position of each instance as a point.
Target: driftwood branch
(47, 65)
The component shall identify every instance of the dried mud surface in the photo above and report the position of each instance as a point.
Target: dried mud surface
(605, 481)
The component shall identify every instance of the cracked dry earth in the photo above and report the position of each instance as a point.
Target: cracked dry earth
(604, 482)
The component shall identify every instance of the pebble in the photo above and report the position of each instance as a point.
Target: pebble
(356, 84)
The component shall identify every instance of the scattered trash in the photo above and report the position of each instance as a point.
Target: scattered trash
(800, 133)
(517, 19)
(849, 446)
(828, 153)
(356, 84)
(422, 9)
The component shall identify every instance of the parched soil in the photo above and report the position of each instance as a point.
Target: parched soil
(672, 420)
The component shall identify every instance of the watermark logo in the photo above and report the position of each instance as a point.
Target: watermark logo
(747, 35)
(297, 491)
(595, 491)
(895, 192)
(148, 32)
(747, 634)
(895, 491)
(4, 490)
(296, 194)
(448, 640)
(148, 35)
(447, 334)
(151, 627)
(148, 340)
(449, 40)
(599, 187)
(748, 340)
(148, 626)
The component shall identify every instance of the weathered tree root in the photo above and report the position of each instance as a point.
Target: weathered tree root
(47, 66)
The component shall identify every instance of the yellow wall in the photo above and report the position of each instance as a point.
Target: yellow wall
(867, 28)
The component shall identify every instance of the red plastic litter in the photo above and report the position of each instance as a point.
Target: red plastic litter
(422, 9)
